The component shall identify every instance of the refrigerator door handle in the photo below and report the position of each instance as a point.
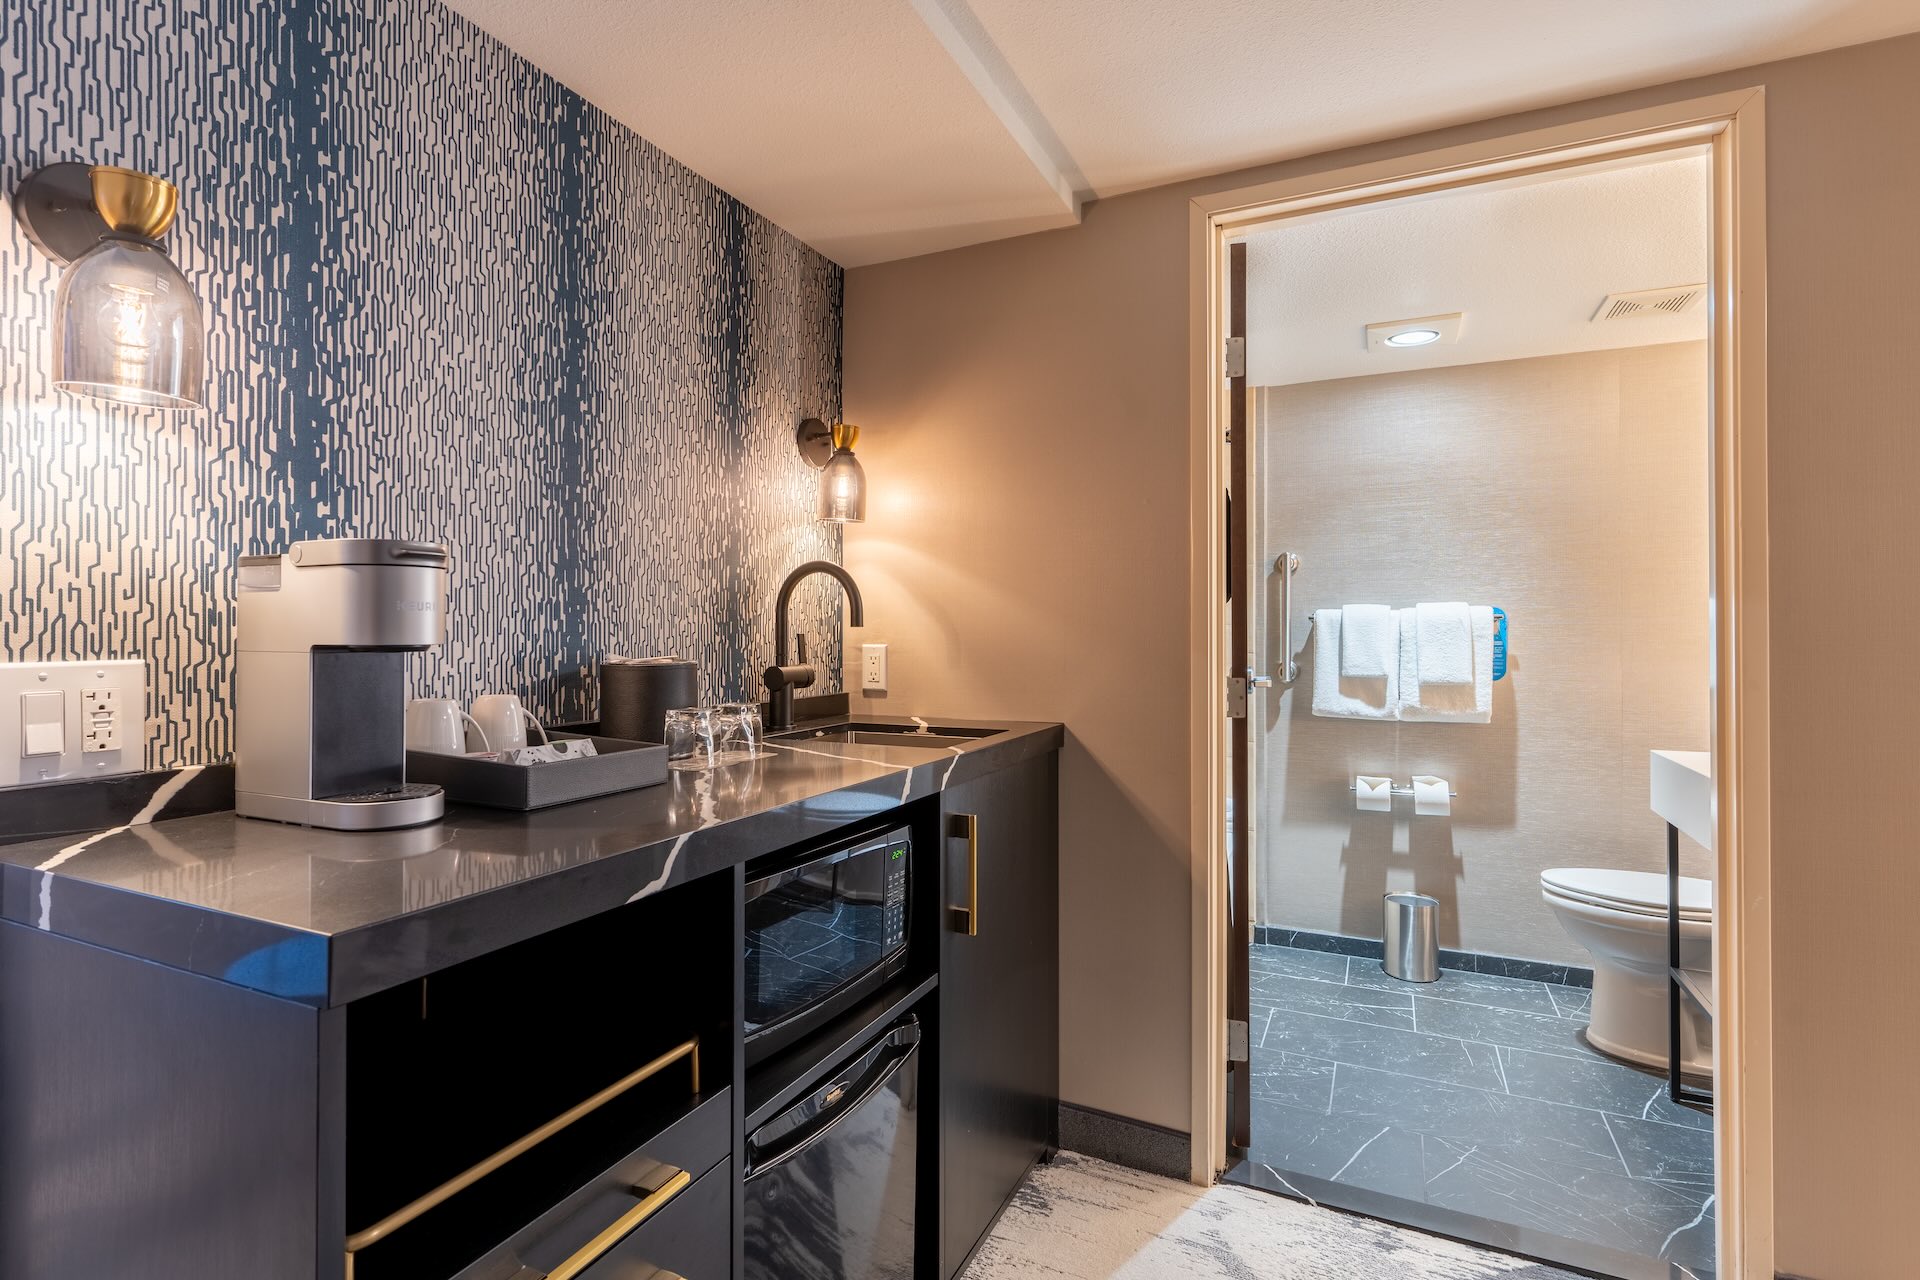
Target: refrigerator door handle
(843, 1107)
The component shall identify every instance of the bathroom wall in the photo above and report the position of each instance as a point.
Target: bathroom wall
(1571, 491)
(446, 298)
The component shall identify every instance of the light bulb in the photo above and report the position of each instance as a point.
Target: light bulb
(126, 322)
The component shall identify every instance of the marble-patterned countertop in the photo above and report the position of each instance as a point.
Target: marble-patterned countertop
(324, 917)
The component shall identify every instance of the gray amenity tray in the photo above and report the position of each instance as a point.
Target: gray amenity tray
(621, 766)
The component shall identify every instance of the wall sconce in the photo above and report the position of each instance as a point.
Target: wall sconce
(127, 325)
(843, 485)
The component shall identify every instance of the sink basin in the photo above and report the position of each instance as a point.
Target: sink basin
(932, 737)
(1680, 787)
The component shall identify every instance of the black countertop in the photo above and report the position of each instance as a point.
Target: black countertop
(324, 917)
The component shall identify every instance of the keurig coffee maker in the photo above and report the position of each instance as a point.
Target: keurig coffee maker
(321, 682)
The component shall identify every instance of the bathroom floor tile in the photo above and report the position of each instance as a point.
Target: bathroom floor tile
(1508, 1028)
(1482, 1118)
(1649, 1218)
(1335, 1000)
(1361, 1153)
(1664, 1152)
(1337, 1040)
(1291, 1080)
(1490, 989)
(1293, 962)
(1600, 1082)
(1478, 1094)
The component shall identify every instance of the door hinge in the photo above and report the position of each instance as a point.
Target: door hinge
(1236, 357)
(1237, 1038)
(1237, 687)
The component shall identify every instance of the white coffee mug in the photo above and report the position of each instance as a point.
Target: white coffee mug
(440, 725)
(503, 721)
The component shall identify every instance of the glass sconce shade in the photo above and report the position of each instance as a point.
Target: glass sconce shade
(843, 485)
(127, 328)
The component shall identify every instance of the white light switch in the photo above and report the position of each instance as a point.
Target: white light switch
(66, 720)
(43, 723)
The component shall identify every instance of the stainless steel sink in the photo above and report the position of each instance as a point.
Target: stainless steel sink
(932, 737)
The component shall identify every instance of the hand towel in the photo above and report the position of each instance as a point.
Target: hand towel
(1369, 641)
(1343, 697)
(1445, 638)
(1457, 704)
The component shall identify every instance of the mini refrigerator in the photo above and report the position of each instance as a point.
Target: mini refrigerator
(830, 1181)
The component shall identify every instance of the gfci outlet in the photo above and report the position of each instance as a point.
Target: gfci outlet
(65, 720)
(873, 668)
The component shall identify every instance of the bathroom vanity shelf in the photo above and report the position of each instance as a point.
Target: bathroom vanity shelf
(1682, 984)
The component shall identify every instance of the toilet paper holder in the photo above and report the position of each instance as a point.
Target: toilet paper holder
(1407, 790)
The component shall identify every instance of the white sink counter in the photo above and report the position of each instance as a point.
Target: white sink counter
(1681, 791)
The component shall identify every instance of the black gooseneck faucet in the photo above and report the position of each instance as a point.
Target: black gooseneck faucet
(782, 678)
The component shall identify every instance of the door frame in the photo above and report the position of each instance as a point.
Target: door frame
(1732, 126)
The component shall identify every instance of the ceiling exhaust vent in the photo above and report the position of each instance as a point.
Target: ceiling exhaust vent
(1651, 302)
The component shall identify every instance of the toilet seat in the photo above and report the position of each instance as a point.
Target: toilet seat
(1632, 892)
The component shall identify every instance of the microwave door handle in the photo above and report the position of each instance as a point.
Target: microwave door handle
(841, 1110)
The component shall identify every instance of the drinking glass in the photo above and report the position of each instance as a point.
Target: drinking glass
(737, 730)
(689, 737)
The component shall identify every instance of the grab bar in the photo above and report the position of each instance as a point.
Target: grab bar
(518, 1147)
(1285, 566)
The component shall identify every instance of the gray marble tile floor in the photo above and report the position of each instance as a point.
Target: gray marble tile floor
(1476, 1093)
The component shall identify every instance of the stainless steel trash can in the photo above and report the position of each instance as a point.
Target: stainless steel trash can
(1412, 949)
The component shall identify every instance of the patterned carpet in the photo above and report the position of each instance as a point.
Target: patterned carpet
(1084, 1219)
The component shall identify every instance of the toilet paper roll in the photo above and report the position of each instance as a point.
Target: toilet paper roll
(1372, 795)
(1431, 796)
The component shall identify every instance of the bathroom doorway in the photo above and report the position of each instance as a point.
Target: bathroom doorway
(1438, 397)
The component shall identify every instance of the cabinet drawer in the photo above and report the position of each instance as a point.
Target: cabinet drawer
(690, 1237)
(611, 1232)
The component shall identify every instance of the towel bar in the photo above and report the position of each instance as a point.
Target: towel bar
(1501, 651)
(1405, 791)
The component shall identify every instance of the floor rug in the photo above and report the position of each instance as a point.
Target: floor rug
(1083, 1219)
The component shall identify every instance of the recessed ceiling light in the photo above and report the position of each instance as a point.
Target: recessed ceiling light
(1416, 331)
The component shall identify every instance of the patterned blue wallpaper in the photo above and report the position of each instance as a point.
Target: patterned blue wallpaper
(446, 298)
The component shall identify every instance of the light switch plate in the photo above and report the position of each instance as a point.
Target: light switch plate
(102, 710)
(873, 668)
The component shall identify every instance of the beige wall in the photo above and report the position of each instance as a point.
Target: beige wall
(1026, 412)
(1570, 490)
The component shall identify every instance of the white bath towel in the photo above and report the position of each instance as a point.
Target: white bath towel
(1346, 697)
(1457, 704)
(1445, 636)
(1369, 641)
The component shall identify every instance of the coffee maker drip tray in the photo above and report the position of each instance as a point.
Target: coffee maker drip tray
(405, 804)
(405, 791)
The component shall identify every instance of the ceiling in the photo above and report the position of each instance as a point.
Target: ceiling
(1526, 262)
(878, 129)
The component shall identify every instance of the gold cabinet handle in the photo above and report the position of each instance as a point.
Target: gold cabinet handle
(359, 1240)
(622, 1227)
(966, 826)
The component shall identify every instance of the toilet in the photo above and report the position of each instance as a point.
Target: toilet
(1620, 917)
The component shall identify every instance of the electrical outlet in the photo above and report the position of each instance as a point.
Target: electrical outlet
(65, 720)
(100, 719)
(873, 668)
